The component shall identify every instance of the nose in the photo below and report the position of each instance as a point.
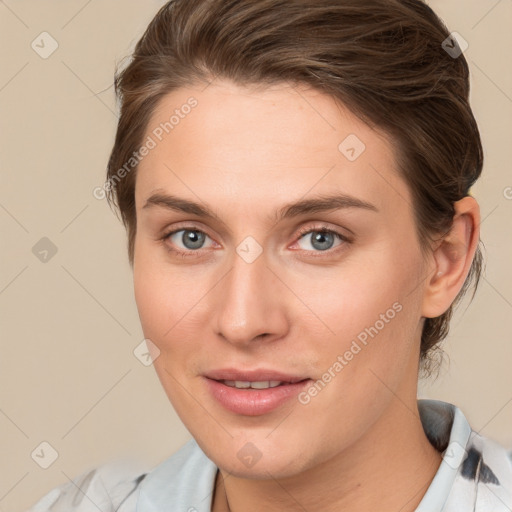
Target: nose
(250, 304)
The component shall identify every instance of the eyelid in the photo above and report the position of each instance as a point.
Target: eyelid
(322, 227)
(184, 226)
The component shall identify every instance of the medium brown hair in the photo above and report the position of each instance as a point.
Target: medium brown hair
(383, 59)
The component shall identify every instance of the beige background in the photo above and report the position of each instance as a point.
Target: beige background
(70, 325)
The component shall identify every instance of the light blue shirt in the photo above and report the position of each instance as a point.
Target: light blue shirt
(475, 475)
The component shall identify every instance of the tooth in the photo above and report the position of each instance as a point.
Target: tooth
(230, 383)
(242, 384)
(274, 383)
(260, 385)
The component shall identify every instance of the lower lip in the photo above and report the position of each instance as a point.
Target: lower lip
(253, 402)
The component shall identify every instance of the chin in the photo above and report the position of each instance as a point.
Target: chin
(257, 458)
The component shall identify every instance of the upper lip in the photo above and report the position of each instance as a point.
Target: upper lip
(260, 375)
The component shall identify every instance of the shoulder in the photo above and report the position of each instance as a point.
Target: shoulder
(489, 463)
(113, 486)
(184, 481)
(484, 476)
(180, 482)
(475, 472)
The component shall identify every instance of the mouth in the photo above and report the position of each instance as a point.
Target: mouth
(253, 393)
(230, 375)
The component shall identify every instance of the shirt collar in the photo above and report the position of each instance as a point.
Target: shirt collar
(182, 483)
(448, 431)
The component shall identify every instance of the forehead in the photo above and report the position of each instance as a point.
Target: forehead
(257, 147)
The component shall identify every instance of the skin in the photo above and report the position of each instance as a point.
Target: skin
(246, 152)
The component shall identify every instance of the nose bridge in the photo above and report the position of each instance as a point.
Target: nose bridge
(247, 304)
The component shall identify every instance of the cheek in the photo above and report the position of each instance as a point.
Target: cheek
(364, 291)
(170, 300)
(153, 293)
(148, 297)
(373, 312)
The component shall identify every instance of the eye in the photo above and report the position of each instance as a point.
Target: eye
(320, 239)
(187, 239)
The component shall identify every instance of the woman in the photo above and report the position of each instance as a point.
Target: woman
(294, 177)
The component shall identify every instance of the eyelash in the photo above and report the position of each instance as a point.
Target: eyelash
(301, 233)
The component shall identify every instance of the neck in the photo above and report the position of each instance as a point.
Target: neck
(389, 468)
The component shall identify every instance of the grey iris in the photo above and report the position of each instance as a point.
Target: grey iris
(322, 240)
(193, 239)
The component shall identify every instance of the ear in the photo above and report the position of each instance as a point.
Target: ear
(452, 258)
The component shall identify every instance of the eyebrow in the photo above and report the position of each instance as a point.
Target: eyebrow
(321, 203)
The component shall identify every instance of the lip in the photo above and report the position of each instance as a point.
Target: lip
(252, 402)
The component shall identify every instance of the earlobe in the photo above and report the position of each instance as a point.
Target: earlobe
(452, 258)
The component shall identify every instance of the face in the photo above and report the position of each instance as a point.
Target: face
(276, 248)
